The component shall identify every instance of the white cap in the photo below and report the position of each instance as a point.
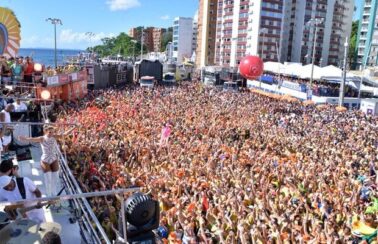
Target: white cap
(4, 181)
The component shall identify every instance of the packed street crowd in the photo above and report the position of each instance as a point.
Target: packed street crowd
(229, 167)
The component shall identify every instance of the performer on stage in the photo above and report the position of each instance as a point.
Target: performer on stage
(49, 158)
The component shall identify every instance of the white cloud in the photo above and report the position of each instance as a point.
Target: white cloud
(68, 36)
(116, 5)
(165, 17)
(36, 41)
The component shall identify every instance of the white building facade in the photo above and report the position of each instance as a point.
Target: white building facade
(279, 30)
(367, 40)
(182, 39)
(334, 19)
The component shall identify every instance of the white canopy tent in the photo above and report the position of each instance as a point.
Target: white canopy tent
(305, 72)
(296, 69)
(292, 69)
(274, 67)
(331, 70)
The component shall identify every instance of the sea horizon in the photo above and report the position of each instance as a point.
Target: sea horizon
(46, 56)
(48, 48)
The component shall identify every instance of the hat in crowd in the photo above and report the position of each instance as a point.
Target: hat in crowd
(48, 127)
(5, 180)
(6, 165)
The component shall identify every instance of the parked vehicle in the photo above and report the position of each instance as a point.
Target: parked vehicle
(169, 79)
(147, 81)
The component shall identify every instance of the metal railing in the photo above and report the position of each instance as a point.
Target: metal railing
(91, 230)
(90, 227)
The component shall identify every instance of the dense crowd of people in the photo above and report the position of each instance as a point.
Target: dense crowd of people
(229, 167)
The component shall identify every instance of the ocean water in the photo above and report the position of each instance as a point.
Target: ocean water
(46, 56)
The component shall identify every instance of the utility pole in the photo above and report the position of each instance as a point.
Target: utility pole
(134, 43)
(262, 31)
(314, 22)
(142, 41)
(342, 86)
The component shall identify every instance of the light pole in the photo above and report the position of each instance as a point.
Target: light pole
(55, 22)
(135, 42)
(90, 35)
(141, 49)
(314, 22)
(342, 86)
(263, 32)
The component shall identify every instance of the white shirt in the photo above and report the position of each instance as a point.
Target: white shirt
(7, 119)
(36, 215)
(20, 107)
(7, 116)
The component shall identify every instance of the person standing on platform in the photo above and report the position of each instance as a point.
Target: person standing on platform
(6, 118)
(17, 71)
(49, 158)
(28, 71)
(6, 73)
(19, 106)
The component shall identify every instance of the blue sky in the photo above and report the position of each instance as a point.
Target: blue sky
(102, 17)
(358, 4)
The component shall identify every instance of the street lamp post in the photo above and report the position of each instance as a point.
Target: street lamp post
(55, 22)
(263, 32)
(142, 41)
(342, 86)
(135, 42)
(90, 35)
(315, 22)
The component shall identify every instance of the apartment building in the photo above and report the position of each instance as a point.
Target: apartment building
(182, 38)
(206, 33)
(157, 38)
(367, 40)
(332, 21)
(194, 36)
(276, 30)
(148, 36)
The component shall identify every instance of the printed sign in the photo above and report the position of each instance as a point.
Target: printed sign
(53, 80)
(74, 76)
(63, 79)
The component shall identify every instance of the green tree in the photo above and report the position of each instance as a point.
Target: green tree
(353, 42)
(167, 37)
(121, 44)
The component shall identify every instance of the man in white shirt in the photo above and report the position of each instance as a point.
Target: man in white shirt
(10, 191)
(19, 106)
(6, 118)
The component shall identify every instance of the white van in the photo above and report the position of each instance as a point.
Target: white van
(147, 81)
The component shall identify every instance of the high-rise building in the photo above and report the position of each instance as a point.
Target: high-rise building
(157, 38)
(194, 37)
(367, 40)
(331, 19)
(276, 30)
(207, 22)
(182, 38)
(148, 36)
(248, 27)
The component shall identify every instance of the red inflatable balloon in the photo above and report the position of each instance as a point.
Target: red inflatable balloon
(251, 67)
